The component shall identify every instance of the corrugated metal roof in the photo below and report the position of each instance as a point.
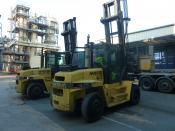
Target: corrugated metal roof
(152, 34)
(157, 35)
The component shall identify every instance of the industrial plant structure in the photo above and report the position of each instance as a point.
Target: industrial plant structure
(29, 36)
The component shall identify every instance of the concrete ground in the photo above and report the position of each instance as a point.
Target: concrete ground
(156, 112)
(6, 75)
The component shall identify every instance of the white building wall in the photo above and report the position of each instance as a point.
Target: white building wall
(35, 61)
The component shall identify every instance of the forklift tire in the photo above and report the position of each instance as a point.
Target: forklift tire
(92, 107)
(135, 95)
(165, 85)
(146, 83)
(35, 90)
(50, 100)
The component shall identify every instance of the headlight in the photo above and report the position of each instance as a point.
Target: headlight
(23, 78)
(29, 78)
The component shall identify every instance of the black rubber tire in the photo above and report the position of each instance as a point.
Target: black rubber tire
(135, 95)
(35, 90)
(92, 107)
(50, 100)
(146, 83)
(165, 85)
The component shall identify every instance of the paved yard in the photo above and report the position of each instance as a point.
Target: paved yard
(156, 112)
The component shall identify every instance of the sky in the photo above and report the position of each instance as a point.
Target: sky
(144, 14)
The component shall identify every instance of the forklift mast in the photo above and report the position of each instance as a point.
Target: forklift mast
(120, 16)
(70, 38)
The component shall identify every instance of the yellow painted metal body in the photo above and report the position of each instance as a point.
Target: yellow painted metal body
(24, 77)
(146, 63)
(66, 93)
(67, 100)
(117, 93)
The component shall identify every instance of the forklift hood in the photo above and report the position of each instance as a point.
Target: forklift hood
(34, 73)
(94, 75)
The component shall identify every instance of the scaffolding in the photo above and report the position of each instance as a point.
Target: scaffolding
(29, 35)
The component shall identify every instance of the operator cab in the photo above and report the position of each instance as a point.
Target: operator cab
(57, 61)
(54, 60)
(107, 56)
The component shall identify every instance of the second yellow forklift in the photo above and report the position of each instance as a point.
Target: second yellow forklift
(35, 82)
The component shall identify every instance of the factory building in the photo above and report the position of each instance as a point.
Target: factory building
(29, 36)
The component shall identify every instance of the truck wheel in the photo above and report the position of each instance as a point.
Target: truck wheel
(135, 95)
(92, 107)
(147, 84)
(35, 90)
(165, 85)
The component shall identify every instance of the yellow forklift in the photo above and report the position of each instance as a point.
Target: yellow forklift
(34, 82)
(103, 82)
